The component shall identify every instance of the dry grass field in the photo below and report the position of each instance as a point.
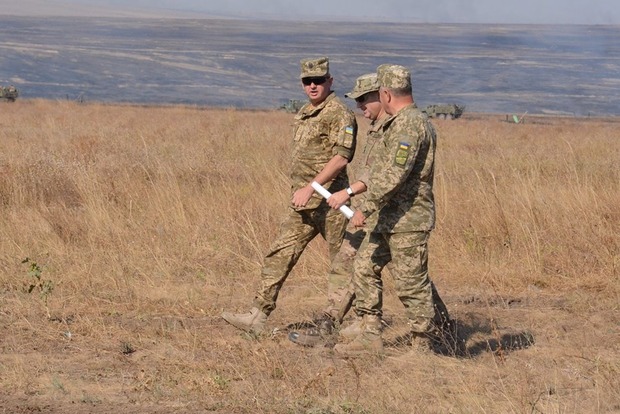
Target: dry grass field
(125, 231)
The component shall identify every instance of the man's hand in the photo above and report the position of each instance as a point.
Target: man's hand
(338, 199)
(302, 196)
(358, 219)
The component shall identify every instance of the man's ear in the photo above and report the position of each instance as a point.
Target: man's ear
(387, 96)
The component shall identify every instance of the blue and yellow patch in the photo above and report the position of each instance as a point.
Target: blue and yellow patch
(348, 137)
(402, 154)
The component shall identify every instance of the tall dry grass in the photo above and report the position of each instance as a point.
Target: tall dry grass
(140, 224)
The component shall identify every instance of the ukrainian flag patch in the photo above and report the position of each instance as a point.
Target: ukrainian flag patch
(402, 154)
(348, 130)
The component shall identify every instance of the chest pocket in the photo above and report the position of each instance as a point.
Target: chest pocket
(312, 134)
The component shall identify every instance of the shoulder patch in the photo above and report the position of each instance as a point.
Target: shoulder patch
(348, 138)
(402, 154)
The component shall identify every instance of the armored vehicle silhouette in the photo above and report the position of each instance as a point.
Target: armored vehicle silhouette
(293, 105)
(8, 93)
(449, 111)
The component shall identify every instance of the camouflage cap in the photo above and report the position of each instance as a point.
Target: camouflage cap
(314, 67)
(363, 85)
(394, 76)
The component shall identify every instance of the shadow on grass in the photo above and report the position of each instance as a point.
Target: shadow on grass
(453, 340)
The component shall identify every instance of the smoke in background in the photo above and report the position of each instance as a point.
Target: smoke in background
(570, 70)
(421, 11)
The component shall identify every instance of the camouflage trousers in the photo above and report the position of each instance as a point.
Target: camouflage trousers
(342, 295)
(406, 257)
(341, 292)
(296, 231)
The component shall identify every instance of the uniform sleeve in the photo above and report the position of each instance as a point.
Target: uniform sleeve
(389, 171)
(372, 144)
(363, 175)
(344, 135)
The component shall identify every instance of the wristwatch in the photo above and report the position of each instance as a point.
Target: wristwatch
(350, 192)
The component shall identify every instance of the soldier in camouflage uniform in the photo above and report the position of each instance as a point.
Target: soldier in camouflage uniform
(324, 142)
(366, 95)
(399, 214)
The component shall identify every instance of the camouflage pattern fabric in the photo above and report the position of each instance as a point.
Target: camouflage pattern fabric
(296, 231)
(343, 294)
(362, 165)
(314, 67)
(400, 195)
(406, 256)
(321, 132)
(341, 291)
(363, 85)
(394, 76)
(400, 186)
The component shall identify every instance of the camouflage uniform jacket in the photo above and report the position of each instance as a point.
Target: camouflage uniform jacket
(321, 132)
(400, 185)
(361, 165)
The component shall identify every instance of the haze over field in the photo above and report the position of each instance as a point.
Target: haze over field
(422, 11)
(572, 70)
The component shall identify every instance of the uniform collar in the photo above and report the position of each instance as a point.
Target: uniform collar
(309, 109)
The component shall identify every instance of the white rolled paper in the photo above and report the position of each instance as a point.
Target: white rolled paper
(326, 194)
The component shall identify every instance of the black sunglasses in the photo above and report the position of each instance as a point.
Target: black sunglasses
(362, 99)
(316, 80)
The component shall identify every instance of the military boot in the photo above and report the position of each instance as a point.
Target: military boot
(253, 321)
(421, 343)
(368, 342)
(354, 330)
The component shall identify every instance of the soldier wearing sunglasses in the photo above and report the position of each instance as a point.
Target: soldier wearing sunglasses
(366, 96)
(399, 213)
(323, 144)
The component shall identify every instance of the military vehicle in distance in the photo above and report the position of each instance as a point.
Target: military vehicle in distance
(447, 111)
(293, 105)
(516, 119)
(8, 93)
